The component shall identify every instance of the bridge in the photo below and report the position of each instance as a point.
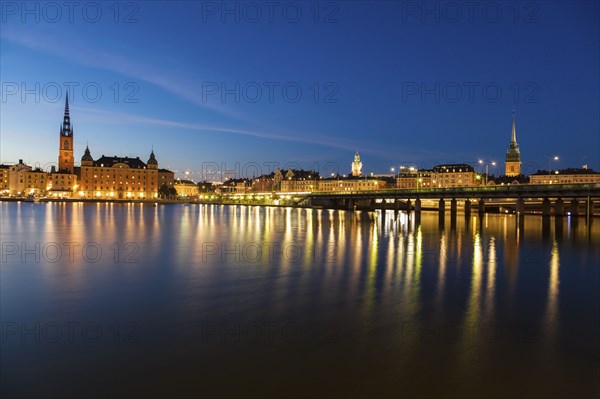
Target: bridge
(556, 199)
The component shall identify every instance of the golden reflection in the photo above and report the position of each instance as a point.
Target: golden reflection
(473, 305)
(552, 303)
(491, 280)
(443, 256)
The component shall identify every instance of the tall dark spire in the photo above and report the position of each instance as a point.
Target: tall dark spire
(67, 105)
(66, 128)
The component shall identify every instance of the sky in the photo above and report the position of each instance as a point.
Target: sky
(249, 86)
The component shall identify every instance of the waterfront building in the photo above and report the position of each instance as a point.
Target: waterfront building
(300, 181)
(414, 179)
(61, 184)
(36, 182)
(4, 187)
(453, 175)
(513, 155)
(118, 177)
(348, 184)
(235, 186)
(441, 176)
(165, 177)
(357, 165)
(16, 178)
(565, 176)
(186, 188)
(263, 183)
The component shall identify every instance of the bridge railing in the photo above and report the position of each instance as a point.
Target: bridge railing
(469, 190)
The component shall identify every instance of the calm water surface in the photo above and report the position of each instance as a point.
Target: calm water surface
(186, 300)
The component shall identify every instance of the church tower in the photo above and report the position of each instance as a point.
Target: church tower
(356, 165)
(66, 161)
(513, 156)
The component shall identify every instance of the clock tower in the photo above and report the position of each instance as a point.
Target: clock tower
(66, 161)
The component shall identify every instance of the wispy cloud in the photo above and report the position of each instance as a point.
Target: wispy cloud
(83, 53)
(121, 117)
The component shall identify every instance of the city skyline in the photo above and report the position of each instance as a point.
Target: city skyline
(402, 112)
(220, 171)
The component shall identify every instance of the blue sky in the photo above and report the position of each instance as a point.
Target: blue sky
(401, 83)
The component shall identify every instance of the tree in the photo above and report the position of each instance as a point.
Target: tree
(166, 191)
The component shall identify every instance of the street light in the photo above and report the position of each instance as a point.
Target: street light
(487, 164)
(554, 158)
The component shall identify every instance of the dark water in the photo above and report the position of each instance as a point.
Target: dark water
(107, 300)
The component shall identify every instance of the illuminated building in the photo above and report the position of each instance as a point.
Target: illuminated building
(337, 184)
(186, 188)
(36, 182)
(453, 175)
(16, 178)
(565, 176)
(4, 187)
(299, 181)
(441, 176)
(118, 177)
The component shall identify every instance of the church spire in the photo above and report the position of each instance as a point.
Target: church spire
(67, 105)
(513, 137)
(66, 128)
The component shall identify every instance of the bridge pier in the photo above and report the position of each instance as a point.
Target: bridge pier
(372, 205)
(350, 204)
(453, 206)
(467, 209)
(589, 209)
(442, 207)
(546, 207)
(418, 206)
(574, 207)
(520, 206)
(559, 207)
(481, 206)
(408, 206)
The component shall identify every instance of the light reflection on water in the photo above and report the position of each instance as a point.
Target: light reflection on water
(478, 307)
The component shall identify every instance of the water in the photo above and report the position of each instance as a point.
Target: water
(189, 300)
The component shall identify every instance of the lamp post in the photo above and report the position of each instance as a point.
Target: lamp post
(554, 158)
(487, 164)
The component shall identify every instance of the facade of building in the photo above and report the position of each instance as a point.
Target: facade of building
(166, 177)
(234, 186)
(414, 179)
(62, 184)
(186, 188)
(513, 155)
(565, 176)
(299, 181)
(349, 184)
(118, 177)
(16, 178)
(454, 175)
(36, 182)
(4, 186)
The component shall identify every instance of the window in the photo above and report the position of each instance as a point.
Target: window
(66, 145)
